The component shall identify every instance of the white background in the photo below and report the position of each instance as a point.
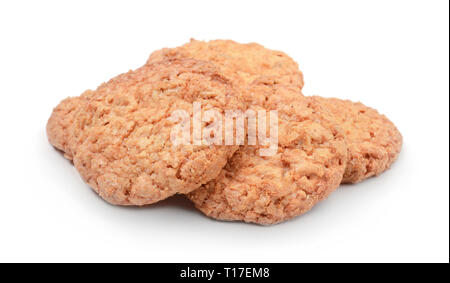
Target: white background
(391, 55)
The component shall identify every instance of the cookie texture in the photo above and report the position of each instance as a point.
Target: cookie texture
(60, 122)
(120, 135)
(374, 142)
(307, 167)
(242, 63)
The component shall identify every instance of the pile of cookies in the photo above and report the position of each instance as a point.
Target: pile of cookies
(119, 135)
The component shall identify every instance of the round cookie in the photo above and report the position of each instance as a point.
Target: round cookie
(242, 63)
(121, 136)
(308, 166)
(374, 142)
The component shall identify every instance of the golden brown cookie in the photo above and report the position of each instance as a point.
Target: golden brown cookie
(374, 142)
(120, 135)
(308, 166)
(242, 63)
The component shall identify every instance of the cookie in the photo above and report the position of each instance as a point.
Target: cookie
(120, 137)
(374, 142)
(307, 167)
(242, 63)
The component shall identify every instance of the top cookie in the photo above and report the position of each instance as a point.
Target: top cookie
(242, 63)
(307, 167)
(120, 136)
(374, 142)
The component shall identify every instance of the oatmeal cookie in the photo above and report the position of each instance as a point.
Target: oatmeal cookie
(307, 167)
(120, 137)
(374, 142)
(242, 63)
